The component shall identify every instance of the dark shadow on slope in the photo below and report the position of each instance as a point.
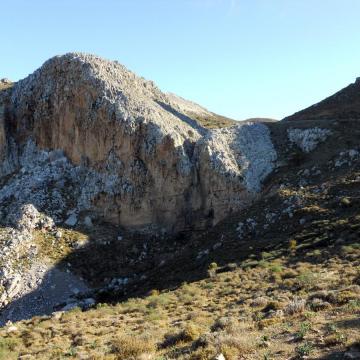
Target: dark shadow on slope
(168, 264)
(352, 352)
(351, 323)
(336, 355)
(149, 262)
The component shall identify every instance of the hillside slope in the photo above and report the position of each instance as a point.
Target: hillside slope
(345, 104)
(204, 117)
(279, 280)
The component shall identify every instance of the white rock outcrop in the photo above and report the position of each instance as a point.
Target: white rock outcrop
(308, 139)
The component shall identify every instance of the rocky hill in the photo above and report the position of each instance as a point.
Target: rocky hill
(344, 105)
(135, 226)
(132, 154)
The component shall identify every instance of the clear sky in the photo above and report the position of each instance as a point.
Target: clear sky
(239, 58)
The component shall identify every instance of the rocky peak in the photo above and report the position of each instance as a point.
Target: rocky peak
(128, 152)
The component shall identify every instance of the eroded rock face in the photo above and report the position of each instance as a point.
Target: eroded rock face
(123, 150)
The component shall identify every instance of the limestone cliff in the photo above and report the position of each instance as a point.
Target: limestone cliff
(82, 134)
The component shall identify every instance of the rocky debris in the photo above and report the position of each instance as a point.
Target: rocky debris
(12, 285)
(308, 139)
(15, 244)
(84, 304)
(118, 283)
(202, 254)
(271, 217)
(291, 204)
(346, 158)
(28, 218)
(18, 253)
(22, 273)
(40, 289)
(246, 228)
(308, 173)
(353, 352)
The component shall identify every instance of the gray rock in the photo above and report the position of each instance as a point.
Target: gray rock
(71, 220)
(353, 153)
(88, 221)
(88, 302)
(220, 357)
(308, 139)
(352, 355)
(70, 306)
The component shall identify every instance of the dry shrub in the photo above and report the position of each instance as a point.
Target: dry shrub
(259, 301)
(264, 323)
(297, 306)
(131, 347)
(8, 349)
(289, 274)
(190, 333)
(221, 323)
(203, 353)
(347, 295)
(233, 346)
(335, 339)
(318, 304)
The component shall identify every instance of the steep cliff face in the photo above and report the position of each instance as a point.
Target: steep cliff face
(113, 144)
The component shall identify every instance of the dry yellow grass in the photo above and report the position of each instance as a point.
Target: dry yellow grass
(198, 321)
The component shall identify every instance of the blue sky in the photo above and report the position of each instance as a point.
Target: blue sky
(239, 58)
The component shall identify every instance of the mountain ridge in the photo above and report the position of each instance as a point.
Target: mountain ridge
(343, 105)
